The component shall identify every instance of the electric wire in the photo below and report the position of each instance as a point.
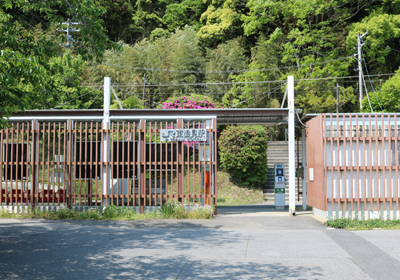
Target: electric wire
(233, 83)
(75, 98)
(93, 100)
(223, 71)
(383, 46)
(300, 119)
(365, 64)
(269, 92)
(365, 86)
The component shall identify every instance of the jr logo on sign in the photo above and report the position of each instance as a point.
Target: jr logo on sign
(182, 135)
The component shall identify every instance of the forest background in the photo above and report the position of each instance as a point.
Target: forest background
(238, 53)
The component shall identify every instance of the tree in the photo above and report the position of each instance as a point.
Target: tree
(387, 98)
(29, 41)
(264, 57)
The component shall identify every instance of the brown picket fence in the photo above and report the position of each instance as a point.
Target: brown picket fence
(80, 163)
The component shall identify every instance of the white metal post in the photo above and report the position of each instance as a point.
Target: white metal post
(106, 122)
(303, 142)
(292, 171)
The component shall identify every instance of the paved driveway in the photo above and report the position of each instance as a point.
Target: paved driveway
(250, 242)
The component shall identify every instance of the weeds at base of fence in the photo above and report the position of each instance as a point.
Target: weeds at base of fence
(355, 224)
(112, 212)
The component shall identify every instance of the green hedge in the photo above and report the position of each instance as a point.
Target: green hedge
(243, 153)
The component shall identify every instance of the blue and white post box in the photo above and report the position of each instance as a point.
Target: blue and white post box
(279, 186)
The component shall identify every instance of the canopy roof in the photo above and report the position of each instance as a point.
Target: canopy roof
(223, 116)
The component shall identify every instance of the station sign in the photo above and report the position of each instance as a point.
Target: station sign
(182, 135)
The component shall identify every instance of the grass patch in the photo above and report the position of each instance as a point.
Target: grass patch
(112, 212)
(231, 193)
(364, 225)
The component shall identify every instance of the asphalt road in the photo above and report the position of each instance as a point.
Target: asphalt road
(250, 242)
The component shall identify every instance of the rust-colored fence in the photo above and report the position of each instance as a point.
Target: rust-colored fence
(355, 162)
(80, 163)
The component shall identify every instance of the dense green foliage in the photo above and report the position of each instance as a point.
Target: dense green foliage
(243, 153)
(111, 212)
(224, 49)
(363, 224)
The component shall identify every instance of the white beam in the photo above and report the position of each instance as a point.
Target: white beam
(303, 142)
(292, 171)
(106, 122)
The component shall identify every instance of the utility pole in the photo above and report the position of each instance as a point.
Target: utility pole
(144, 87)
(68, 30)
(360, 44)
(337, 98)
(359, 68)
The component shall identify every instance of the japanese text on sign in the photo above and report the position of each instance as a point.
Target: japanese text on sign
(183, 135)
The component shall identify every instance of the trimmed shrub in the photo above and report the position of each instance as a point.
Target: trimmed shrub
(243, 153)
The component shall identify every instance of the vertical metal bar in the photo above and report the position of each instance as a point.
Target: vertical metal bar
(135, 164)
(357, 183)
(377, 162)
(150, 194)
(58, 161)
(396, 156)
(188, 166)
(180, 165)
(86, 142)
(144, 141)
(325, 182)
(173, 195)
(17, 166)
(194, 167)
(69, 163)
(97, 163)
(27, 164)
(142, 153)
(6, 169)
(12, 193)
(75, 166)
(118, 164)
(340, 181)
(129, 164)
(64, 168)
(161, 168)
(123, 162)
(370, 163)
(205, 167)
(35, 162)
(332, 165)
(12, 196)
(390, 162)
(345, 162)
(43, 133)
(90, 141)
(364, 159)
(2, 160)
(54, 155)
(112, 162)
(351, 164)
(215, 185)
(383, 163)
(166, 168)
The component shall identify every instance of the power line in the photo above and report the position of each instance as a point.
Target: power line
(75, 98)
(269, 92)
(234, 83)
(365, 64)
(220, 72)
(93, 100)
(384, 47)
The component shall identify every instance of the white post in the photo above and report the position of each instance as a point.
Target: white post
(106, 122)
(303, 142)
(292, 171)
